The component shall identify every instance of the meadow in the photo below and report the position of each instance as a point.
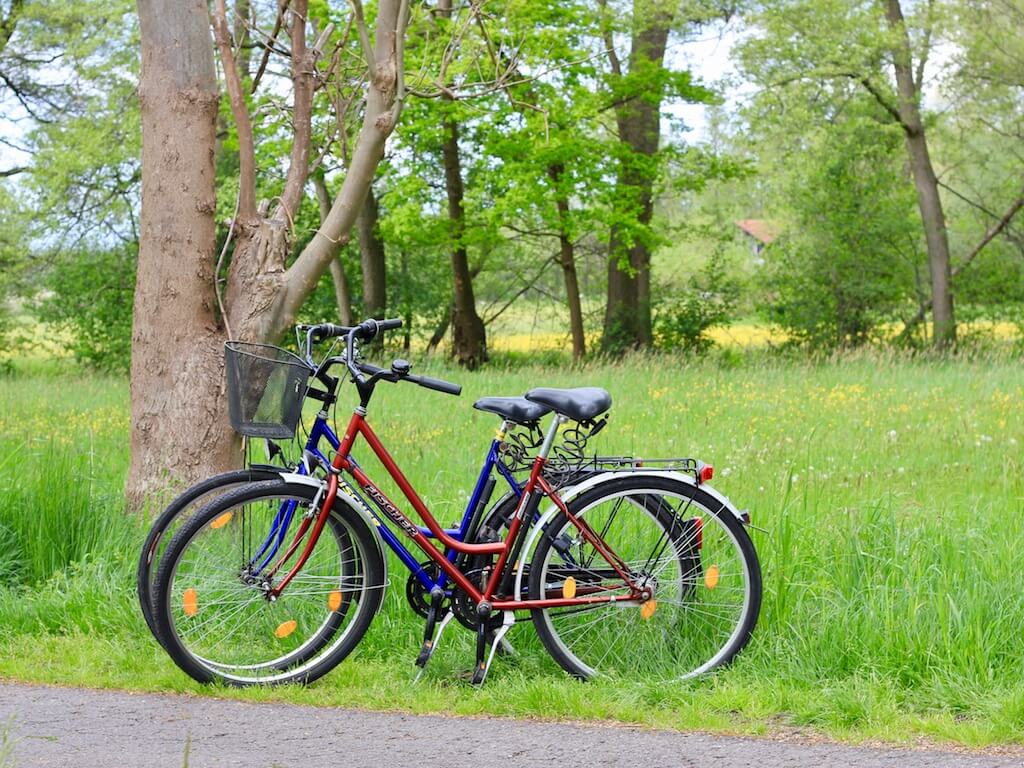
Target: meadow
(886, 493)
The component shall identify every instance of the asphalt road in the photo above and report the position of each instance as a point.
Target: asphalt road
(85, 728)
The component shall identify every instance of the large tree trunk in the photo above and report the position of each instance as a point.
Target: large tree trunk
(372, 254)
(177, 407)
(567, 260)
(627, 321)
(469, 338)
(928, 201)
(178, 420)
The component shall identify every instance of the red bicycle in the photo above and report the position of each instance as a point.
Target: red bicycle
(636, 571)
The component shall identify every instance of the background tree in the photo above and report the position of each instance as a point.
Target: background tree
(878, 48)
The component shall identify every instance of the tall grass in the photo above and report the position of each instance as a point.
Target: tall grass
(887, 495)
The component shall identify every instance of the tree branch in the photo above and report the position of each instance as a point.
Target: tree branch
(364, 34)
(527, 285)
(269, 45)
(378, 122)
(926, 45)
(609, 41)
(403, 23)
(989, 236)
(243, 123)
(880, 97)
(10, 22)
(303, 64)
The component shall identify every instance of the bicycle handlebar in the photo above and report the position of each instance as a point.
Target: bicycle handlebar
(438, 385)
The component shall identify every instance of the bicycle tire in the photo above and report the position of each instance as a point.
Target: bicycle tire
(685, 633)
(301, 635)
(183, 506)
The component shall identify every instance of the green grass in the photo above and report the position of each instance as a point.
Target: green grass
(889, 493)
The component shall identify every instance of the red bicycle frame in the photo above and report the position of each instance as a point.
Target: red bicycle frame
(536, 483)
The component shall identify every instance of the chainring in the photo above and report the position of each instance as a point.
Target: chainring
(416, 593)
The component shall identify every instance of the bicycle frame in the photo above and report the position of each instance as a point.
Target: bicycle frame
(530, 496)
(321, 431)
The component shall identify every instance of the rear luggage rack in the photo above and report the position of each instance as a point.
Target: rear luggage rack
(562, 472)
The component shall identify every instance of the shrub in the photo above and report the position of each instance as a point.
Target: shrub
(90, 294)
(682, 320)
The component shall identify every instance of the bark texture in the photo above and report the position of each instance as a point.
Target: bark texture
(178, 413)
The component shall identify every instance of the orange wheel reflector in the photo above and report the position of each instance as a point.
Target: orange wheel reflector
(190, 602)
(711, 577)
(647, 609)
(334, 600)
(569, 588)
(285, 628)
(223, 520)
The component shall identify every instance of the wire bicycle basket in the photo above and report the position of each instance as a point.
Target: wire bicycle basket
(266, 388)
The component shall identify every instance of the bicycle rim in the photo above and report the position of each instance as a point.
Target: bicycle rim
(705, 591)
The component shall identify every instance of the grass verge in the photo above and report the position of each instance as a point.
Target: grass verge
(889, 493)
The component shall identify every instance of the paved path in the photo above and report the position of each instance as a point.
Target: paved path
(108, 729)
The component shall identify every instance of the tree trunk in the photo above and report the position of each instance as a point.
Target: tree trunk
(928, 201)
(442, 328)
(179, 424)
(372, 255)
(627, 320)
(469, 338)
(342, 294)
(567, 260)
(178, 412)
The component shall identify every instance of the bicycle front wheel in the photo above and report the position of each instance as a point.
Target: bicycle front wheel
(214, 611)
(673, 540)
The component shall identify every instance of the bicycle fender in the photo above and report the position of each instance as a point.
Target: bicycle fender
(572, 492)
(356, 505)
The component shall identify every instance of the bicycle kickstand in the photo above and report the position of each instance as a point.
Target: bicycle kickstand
(430, 639)
(508, 618)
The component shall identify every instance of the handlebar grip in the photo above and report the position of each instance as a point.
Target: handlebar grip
(325, 331)
(436, 384)
(367, 329)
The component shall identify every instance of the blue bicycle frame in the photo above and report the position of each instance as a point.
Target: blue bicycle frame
(321, 431)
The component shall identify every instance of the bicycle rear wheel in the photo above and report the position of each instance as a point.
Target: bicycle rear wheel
(674, 539)
(213, 610)
(186, 504)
